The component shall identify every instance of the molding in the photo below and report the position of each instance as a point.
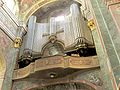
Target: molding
(111, 3)
(1, 3)
(91, 25)
(17, 42)
(10, 14)
(7, 31)
(9, 23)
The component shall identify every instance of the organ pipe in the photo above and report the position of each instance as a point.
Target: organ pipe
(76, 20)
(81, 32)
(52, 26)
(30, 33)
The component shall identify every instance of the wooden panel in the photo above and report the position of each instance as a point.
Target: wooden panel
(58, 64)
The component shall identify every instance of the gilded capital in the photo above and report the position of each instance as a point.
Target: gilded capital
(17, 42)
(91, 24)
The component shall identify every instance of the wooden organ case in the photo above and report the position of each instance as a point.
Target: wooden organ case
(57, 48)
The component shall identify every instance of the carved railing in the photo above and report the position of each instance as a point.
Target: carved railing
(58, 65)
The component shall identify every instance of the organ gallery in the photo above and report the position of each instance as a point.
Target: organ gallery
(59, 45)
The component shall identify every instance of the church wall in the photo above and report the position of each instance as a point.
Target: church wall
(114, 8)
(6, 59)
(108, 48)
(8, 21)
(8, 31)
(115, 12)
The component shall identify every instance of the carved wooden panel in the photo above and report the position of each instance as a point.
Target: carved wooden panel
(57, 64)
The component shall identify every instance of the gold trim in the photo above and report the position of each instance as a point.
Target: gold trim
(91, 24)
(17, 42)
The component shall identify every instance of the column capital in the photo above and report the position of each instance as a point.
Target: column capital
(91, 24)
(17, 42)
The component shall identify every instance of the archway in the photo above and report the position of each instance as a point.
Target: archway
(72, 85)
(37, 5)
(57, 48)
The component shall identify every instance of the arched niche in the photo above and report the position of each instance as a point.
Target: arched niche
(39, 4)
(57, 48)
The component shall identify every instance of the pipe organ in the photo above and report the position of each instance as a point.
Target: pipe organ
(52, 26)
(70, 31)
(81, 33)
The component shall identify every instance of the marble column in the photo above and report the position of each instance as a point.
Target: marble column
(103, 60)
(52, 26)
(109, 51)
(7, 53)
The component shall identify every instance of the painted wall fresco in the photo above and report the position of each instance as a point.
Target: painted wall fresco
(8, 25)
(7, 54)
(115, 11)
(28, 7)
(5, 44)
(26, 4)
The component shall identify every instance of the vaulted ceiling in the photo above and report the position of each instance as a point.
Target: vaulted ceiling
(58, 8)
(38, 7)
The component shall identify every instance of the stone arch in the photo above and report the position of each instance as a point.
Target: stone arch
(84, 82)
(39, 5)
(46, 46)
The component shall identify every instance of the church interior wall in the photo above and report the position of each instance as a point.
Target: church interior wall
(8, 52)
(92, 76)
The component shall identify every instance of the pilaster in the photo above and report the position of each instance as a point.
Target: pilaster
(110, 42)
